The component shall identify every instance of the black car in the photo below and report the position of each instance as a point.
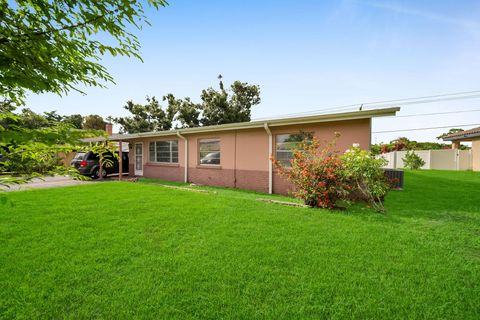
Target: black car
(88, 164)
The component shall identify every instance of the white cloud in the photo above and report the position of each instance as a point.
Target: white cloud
(427, 15)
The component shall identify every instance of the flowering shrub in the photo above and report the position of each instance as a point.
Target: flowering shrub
(316, 174)
(321, 177)
(365, 175)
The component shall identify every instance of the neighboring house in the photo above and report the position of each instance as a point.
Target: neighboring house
(238, 155)
(472, 135)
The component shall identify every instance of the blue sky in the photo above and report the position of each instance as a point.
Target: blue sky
(305, 55)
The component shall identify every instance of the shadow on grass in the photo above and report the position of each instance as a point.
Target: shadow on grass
(223, 191)
(432, 195)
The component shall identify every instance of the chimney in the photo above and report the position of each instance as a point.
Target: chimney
(108, 128)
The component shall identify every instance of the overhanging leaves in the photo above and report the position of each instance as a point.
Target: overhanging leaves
(54, 46)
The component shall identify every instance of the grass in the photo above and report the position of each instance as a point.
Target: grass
(139, 250)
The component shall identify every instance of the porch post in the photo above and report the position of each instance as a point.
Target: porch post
(100, 168)
(120, 160)
(456, 144)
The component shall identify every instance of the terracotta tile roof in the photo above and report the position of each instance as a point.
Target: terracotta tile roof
(475, 132)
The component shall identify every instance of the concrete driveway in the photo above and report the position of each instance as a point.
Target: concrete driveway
(47, 182)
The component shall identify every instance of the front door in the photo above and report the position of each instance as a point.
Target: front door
(139, 159)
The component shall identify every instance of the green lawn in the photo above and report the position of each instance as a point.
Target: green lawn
(139, 250)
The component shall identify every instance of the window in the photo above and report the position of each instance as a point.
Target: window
(164, 151)
(286, 143)
(209, 151)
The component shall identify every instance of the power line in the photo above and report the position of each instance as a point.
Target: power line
(403, 102)
(436, 113)
(430, 128)
(432, 100)
(427, 97)
(416, 100)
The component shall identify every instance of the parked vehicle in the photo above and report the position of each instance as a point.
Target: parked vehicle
(88, 164)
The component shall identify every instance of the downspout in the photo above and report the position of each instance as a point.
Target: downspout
(270, 164)
(235, 162)
(185, 140)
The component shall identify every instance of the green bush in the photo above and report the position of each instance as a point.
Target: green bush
(413, 161)
(365, 176)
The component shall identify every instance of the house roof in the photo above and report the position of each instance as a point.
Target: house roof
(463, 135)
(103, 139)
(275, 122)
(94, 139)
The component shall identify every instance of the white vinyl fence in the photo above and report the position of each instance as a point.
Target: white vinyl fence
(452, 159)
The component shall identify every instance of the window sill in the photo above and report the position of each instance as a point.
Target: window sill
(162, 164)
(209, 166)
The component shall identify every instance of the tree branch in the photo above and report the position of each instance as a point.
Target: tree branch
(66, 27)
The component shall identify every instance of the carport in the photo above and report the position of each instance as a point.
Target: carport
(112, 138)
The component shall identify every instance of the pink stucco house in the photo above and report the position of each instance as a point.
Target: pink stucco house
(238, 155)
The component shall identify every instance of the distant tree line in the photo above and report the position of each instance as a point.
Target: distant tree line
(29, 119)
(404, 144)
(217, 106)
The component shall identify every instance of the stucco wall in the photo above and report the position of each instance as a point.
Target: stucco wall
(353, 131)
(244, 157)
(221, 175)
(173, 172)
(164, 172)
(66, 158)
(252, 150)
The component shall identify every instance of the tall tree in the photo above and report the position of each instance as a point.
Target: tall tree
(147, 117)
(93, 122)
(53, 116)
(217, 107)
(31, 120)
(75, 120)
(54, 46)
(230, 106)
(186, 113)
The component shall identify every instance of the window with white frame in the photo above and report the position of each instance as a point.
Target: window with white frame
(164, 151)
(209, 151)
(286, 143)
